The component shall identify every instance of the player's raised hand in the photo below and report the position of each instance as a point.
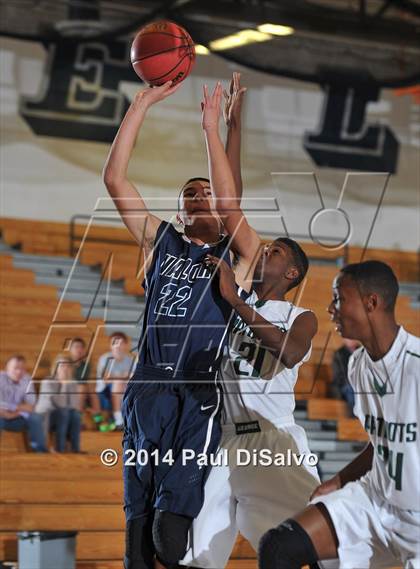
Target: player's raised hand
(227, 283)
(152, 95)
(327, 487)
(210, 107)
(233, 101)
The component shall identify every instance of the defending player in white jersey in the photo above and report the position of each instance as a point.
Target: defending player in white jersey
(270, 340)
(369, 513)
(266, 471)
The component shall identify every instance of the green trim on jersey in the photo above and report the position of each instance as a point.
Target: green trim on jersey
(413, 354)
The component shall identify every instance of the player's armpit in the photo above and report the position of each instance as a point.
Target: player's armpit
(244, 272)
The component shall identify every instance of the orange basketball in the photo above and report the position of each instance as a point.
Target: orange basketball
(162, 51)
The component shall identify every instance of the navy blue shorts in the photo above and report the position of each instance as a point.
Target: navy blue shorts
(168, 419)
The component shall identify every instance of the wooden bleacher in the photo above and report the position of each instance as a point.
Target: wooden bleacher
(349, 429)
(72, 492)
(78, 492)
(39, 301)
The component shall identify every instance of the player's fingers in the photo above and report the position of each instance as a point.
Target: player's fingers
(236, 78)
(173, 89)
(165, 87)
(202, 106)
(232, 84)
(211, 261)
(214, 93)
(205, 94)
(226, 94)
(219, 94)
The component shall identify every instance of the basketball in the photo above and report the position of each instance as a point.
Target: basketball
(162, 51)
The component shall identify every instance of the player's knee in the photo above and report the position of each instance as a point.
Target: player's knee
(286, 547)
(170, 536)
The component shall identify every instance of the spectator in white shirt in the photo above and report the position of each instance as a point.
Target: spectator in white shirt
(114, 369)
(58, 406)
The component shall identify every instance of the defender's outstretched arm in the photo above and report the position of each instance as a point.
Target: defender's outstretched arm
(246, 243)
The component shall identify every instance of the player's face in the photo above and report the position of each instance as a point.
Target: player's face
(77, 351)
(64, 371)
(274, 263)
(15, 369)
(196, 201)
(119, 347)
(348, 310)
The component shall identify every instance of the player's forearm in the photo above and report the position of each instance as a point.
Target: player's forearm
(233, 152)
(272, 338)
(221, 176)
(358, 467)
(116, 165)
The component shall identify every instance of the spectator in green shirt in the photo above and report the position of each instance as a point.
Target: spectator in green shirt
(88, 396)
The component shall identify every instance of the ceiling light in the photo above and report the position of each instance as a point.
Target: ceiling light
(201, 49)
(240, 38)
(276, 30)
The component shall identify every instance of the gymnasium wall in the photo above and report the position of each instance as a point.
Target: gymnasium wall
(54, 178)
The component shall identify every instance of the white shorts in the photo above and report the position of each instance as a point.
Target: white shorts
(371, 532)
(249, 499)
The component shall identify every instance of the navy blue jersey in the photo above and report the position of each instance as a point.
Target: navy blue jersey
(186, 320)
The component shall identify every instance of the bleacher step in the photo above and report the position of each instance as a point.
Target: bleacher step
(318, 445)
(300, 414)
(106, 545)
(322, 435)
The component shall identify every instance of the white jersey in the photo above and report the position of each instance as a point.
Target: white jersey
(387, 402)
(247, 367)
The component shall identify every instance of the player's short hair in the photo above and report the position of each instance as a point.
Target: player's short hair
(17, 357)
(195, 179)
(299, 259)
(61, 358)
(78, 340)
(119, 336)
(375, 276)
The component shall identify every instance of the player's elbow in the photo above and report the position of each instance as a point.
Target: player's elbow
(109, 178)
(290, 357)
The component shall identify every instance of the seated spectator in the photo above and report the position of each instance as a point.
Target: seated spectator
(78, 356)
(17, 400)
(58, 406)
(340, 387)
(114, 370)
(88, 395)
